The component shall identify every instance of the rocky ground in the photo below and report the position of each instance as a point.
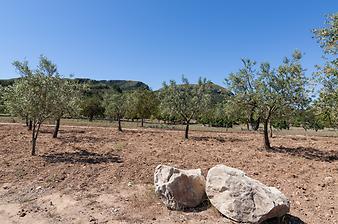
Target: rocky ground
(97, 175)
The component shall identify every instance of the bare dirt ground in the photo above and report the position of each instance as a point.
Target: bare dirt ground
(97, 175)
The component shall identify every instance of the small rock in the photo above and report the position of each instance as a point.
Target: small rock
(22, 213)
(6, 186)
(114, 210)
(328, 181)
(93, 219)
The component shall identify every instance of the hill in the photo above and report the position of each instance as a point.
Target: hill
(98, 86)
(218, 93)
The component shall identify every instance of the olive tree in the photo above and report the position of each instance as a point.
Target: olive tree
(115, 105)
(68, 101)
(34, 94)
(185, 101)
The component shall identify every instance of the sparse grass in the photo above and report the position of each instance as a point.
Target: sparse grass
(119, 146)
(327, 132)
(20, 173)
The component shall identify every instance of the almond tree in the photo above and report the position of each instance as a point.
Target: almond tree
(280, 90)
(185, 101)
(243, 84)
(327, 103)
(271, 93)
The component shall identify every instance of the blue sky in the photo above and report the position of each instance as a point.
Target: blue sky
(158, 40)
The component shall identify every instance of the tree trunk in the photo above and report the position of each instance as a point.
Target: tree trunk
(91, 118)
(30, 125)
(256, 125)
(187, 130)
(119, 121)
(142, 121)
(56, 128)
(270, 130)
(35, 133)
(266, 135)
(33, 146)
(250, 121)
(33, 141)
(26, 121)
(248, 126)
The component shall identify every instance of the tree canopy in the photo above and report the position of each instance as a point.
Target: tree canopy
(185, 101)
(327, 103)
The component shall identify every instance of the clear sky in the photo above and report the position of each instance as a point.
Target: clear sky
(158, 40)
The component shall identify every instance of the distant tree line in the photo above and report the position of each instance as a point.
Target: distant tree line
(256, 95)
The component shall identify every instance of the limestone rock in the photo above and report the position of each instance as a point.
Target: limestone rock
(243, 199)
(179, 189)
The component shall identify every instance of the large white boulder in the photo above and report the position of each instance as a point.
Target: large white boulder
(243, 199)
(179, 189)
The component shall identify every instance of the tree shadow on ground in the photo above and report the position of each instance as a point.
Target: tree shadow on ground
(82, 156)
(307, 153)
(50, 131)
(200, 208)
(142, 130)
(79, 139)
(217, 138)
(286, 219)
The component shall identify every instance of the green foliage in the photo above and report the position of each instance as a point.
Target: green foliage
(142, 103)
(36, 95)
(282, 89)
(69, 98)
(2, 103)
(101, 87)
(186, 101)
(92, 107)
(310, 119)
(280, 124)
(243, 85)
(221, 114)
(115, 105)
(327, 36)
(328, 73)
(7, 82)
(327, 111)
(269, 94)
